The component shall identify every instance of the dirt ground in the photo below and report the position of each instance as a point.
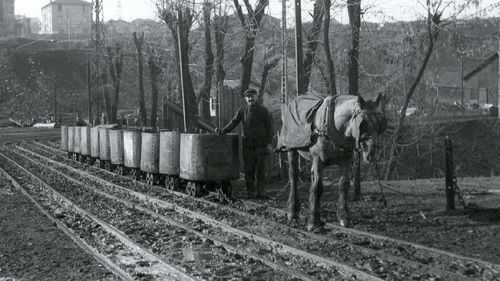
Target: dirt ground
(33, 248)
(416, 212)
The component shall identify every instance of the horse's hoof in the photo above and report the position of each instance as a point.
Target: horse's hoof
(344, 223)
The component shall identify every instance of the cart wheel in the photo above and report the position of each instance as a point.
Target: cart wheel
(189, 188)
(193, 189)
(172, 182)
(149, 178)
(119, 170)
(224, 191)
(136, 174)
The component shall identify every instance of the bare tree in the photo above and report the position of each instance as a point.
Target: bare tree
(331, 84)
(220, 29)
(115, 66)
(138, 42)
(179, 19)
(154, 71)
(312, 41)
(354, 11)
(271, 61)
(204, 96)
(251, 24)
(433, 24)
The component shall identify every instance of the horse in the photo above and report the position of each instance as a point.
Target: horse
(340, 125)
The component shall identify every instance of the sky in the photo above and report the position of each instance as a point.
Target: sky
(376, 10)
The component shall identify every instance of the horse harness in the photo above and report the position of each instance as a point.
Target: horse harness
(339, 142)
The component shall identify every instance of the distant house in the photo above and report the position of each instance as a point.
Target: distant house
(25, 27)
(67, 17)
(7, 20)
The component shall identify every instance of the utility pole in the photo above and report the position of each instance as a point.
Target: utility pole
(284, 71)
(184, 100)
(89, 86)
(462, 84)
(55, 104)
(98, 45)
(299, 54)
(498, 73)
(284, 65)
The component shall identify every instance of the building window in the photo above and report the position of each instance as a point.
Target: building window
(59, 7)
(83, 8)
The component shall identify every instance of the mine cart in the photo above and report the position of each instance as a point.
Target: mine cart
(132, 152)
(208, 162)
(150, 151)
(64, 138)
(116, 149)
(71, 141)
(77, 137)
(94, 144)
(85, 143)
(104, 149)
(169, 158)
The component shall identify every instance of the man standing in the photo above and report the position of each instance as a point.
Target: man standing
(257, 138)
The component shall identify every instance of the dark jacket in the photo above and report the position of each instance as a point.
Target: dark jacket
(257, 125)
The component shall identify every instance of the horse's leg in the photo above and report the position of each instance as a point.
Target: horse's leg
(315, 193)
(342, 210)
(293, 199)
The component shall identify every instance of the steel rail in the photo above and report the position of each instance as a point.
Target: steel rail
(102, 259)
(340, 229)
(277, 246)
(175, 223)
(166, 270)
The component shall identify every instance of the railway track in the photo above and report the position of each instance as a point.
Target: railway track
(306, 267)
(371, 252)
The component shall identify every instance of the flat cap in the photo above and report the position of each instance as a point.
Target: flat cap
(250, 91)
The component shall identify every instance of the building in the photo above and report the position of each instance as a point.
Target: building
(27, 27)
(67, 17)
(7, 20)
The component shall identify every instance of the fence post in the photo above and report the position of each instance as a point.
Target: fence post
(449, 176)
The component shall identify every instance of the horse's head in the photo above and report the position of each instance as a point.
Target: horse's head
(368, 125)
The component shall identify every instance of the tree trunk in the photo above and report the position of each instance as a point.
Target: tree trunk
(154, 71)
(142, 104)
(204, 96)
(312, 42)
(331, 84)
(220, 33)
(354, 11)
(251, 25)
(115, 64)
(269, 65)
(432, 21)
(180, 27)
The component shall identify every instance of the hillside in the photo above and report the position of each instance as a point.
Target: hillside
(37, 68)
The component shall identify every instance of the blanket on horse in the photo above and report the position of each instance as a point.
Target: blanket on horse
(298, 118)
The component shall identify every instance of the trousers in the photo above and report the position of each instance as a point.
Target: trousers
(254, 161)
